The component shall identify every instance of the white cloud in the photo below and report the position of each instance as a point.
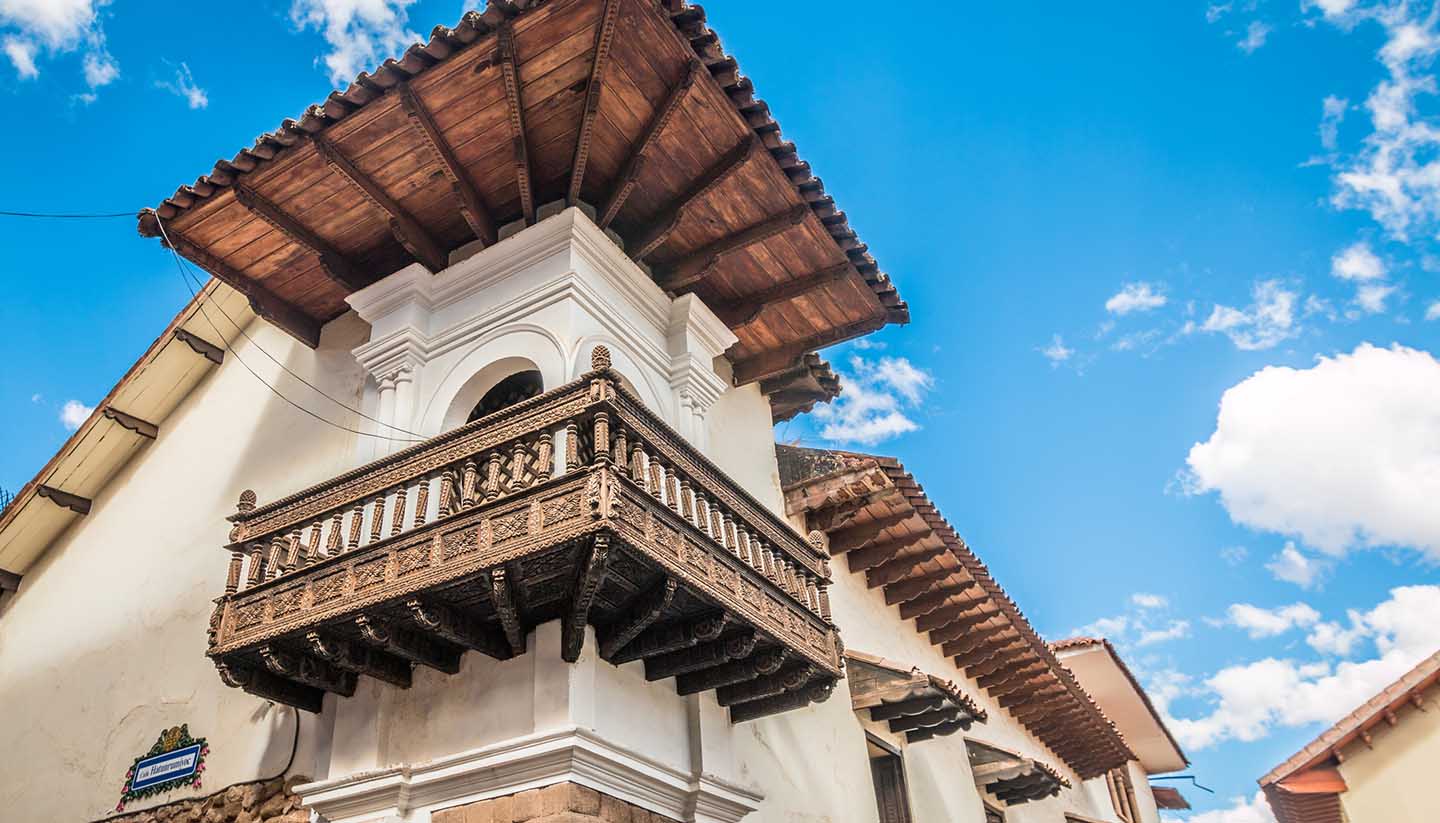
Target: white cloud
(185, 88)
(56, 26)
(1056, 352)
(1249, 700)
(1332, 114)
(1433, 312)
(36, 397)
(1255, 36)
(873, 403)
(74, 413)
(1134, 297)
(360, 33)
(1260, 622)
(1234, 555)
(1343, 454)
(1330, 637)
(1146, 600)
(1241, 810)
(1267, 321)
(1371, 297)
(1292, 566)
(1176, 630)
(1330, 8)
(22, 56)
(1357, 262)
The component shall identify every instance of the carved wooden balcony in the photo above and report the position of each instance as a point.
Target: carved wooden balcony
(579, 505)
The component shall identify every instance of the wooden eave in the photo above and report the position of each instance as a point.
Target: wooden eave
(912, 702)
(797, 390)
(1169, 797)
(630, 106)
(130, 416)
(1010, 778)
(894, 534)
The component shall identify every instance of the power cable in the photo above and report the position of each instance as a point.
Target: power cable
(201, 303)
(53, 216)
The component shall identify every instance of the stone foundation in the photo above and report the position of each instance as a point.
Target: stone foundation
(561, 803)
(271, 801)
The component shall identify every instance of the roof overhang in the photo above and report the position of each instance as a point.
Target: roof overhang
(1106, 677)
(920, 705)
(628, 108)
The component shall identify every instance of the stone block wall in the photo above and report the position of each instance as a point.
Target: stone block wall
(271, 801)
(561, 803)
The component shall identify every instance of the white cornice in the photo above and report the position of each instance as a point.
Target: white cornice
(569, 755)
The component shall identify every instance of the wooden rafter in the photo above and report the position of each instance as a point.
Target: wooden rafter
(414, 237)
(265, 303)
(630, 174)
(853, 537)
(893, 571)
(144, 428)
(592, 574)
(652, 236)
(332, 262)
(454, 627)
(747, 309)
(409, 645)
(64, 499)
(643, 613)
(201, 346)
(594, 89)
(510, 76)
(682, 275)
(773, 362)
(502, 595)
(354, 657)
(870, 557)
(472, 205)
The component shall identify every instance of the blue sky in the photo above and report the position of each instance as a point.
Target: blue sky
(1106, 218)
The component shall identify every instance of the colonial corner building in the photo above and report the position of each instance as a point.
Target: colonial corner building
(453, 496)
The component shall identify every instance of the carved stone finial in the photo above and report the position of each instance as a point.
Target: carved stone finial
(600, 358)
(818, 540)
(247, 501)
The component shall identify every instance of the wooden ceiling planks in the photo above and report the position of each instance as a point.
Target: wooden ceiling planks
(430, 144)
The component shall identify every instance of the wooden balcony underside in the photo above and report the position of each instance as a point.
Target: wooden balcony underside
(616, 545)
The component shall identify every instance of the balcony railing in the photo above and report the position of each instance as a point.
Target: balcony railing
(579, 505)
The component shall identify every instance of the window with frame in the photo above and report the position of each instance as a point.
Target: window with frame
(887, 771)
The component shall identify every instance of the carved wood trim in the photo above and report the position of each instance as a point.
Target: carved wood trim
(415, 238)
(144, 428)
(201, 346)
(658, 231)
(510, 74)
(63, 499)
(681, 275)
(472, 205)
(265, 303)
(332, 262)
(630, 175)
(594, 90)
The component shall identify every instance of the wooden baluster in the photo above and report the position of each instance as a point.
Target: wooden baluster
(767, 563)
(637, 466)
(377, 517)
(468, 478)
(824, 600)
(687, 500)
(702, 511)
(620, 459)
(492, 476)
(356, 521)
(397, 518)
(672, 488)
(447, 493)
(792, 583)
(544, 458)
(742, 544)
(296, 558)
(232, 575)
(732, 540)
(717, 522)
(572, 446)
(274, 564)
(657, 479)
(602, 438)
(519, 463)
(257, 564)
(422, 502)
(315, 529)
(812, 592)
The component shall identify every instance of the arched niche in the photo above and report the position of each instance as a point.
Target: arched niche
(487, 364)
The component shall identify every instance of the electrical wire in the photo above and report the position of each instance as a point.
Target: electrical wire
(179, 264)
(53, 216)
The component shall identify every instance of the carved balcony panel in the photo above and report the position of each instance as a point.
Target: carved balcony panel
(578, 505)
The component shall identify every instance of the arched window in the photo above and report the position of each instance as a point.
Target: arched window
(519, 386)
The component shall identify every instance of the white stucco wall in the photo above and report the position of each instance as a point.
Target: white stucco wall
(103, 647)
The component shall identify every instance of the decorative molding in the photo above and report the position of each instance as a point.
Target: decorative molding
(144, 428)
(571, 754)
(64, 499)
(215, 354)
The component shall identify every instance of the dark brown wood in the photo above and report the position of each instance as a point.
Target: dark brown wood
(900, 569)
(700, 656)
(332, 262)
(777, 704)
(965, 626)
(1011, 673)
(630, 175)
(144, 428)
(64, 499)
(472, 205)
(355, 657)
(9, 581)
(931, 602)
(774, 361)
(409, 645)
(515, 107)
(265, 303)
(682, 275)
(892, 799)
(746, 309)
(729, 674)
(876, 554)
(414, 237)
(643, 613)
(594, 89)
(939, 730)
(911, 588)
(650, 238)
(903, 708)
(592, 574)
(918, 721)
(308, 671)
(452, 627)
(671, 637)
(263, 684)
(201, 346)
(853, 537)
(502, 595)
